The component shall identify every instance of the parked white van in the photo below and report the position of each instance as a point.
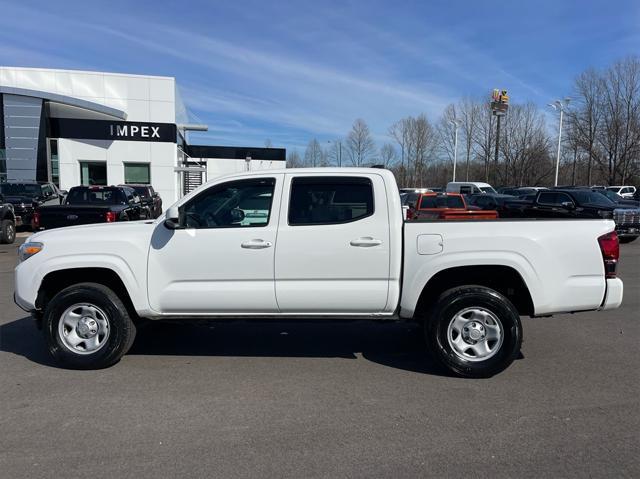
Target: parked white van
(469, 187)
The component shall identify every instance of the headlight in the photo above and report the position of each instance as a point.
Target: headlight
(27, 250)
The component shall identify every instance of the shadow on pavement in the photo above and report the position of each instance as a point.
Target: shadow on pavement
(397, 345)
(21, 337)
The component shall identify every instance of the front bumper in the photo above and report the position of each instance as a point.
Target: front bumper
(613, 295)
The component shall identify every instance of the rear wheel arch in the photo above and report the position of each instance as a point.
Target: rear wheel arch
(503, 279)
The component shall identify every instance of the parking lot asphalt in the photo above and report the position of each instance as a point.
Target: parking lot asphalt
(328, 399)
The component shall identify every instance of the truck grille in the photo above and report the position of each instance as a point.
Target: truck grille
(627, 217)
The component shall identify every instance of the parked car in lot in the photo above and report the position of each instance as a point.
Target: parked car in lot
(7, 222)
(624, 191)
(449, 206)
(469, 187)
(91, 204)
(521, 191)
(584, 203)
(149, 198)
(332, 244)
(506, 206)
(616, 198)
(26, 196)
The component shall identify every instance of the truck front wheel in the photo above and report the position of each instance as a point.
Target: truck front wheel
(7, 231)
(474, 331)
(86, 326)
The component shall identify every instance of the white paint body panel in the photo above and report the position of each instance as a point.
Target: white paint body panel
(312, 270)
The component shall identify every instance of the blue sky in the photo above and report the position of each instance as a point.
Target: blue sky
(290, 71)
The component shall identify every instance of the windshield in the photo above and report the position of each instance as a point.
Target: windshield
(441, 202)
(610, 194)
(593, 198)
(108, 196)
(142, 191)
(487, 189)
(20, 189)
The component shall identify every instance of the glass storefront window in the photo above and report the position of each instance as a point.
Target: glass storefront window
(93, 173)
(137, 173)
(3, 164)
(53, 159)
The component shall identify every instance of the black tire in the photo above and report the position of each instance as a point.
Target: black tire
(627, 239)
(7, 232)
(454, 301)
(122, 331)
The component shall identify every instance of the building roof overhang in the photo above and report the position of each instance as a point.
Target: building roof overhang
(65, 100)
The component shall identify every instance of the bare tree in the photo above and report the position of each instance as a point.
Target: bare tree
(619, 133)
(469, 113)
(388, 156)
(313, 155)
(294, 160)
(360, 145)
(424, 144)
(485, 137)
(585, 116)
(335, 152)
(525, 147)
(447, 131)
(400, 131)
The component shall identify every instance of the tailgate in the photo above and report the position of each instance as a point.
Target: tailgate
(59, 216)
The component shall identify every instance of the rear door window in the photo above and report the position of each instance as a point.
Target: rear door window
(329, 200)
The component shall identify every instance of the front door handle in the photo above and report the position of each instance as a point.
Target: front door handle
(256, 244)
(366, 242)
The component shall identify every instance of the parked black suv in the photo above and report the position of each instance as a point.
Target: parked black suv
(26, 196)
(7, 222)
(150, 199)
(584, 203)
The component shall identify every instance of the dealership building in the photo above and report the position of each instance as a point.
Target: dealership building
(92, 128)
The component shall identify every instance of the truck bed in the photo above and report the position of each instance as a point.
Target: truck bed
(558, 260)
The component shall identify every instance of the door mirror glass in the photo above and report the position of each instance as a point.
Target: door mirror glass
(237, 216)
(172, 218)
(568, 205)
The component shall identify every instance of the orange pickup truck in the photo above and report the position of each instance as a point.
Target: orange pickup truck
(449, 206)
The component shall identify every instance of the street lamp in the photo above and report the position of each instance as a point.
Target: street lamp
(456, 123)
(339, 143)
(559, 105)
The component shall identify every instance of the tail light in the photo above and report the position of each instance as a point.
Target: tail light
(36, 220)
(610, 249)
(110, 216)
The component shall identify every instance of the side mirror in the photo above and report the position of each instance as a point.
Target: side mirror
(568, 205)
(172, 218)
(237, 215)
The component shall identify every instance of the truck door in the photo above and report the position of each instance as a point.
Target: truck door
(333, 249)
(221, 259)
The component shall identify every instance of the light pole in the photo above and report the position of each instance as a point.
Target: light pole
(339, 144)
(456, 123)
(558, 105)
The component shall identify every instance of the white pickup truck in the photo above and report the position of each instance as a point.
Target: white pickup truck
(314, 243)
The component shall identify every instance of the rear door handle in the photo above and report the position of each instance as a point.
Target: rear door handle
(366, 242)
(256, 244)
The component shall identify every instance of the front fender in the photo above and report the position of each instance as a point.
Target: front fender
(30, 274)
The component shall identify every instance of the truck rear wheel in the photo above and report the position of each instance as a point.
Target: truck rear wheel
(474, 331)
(86, 326)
